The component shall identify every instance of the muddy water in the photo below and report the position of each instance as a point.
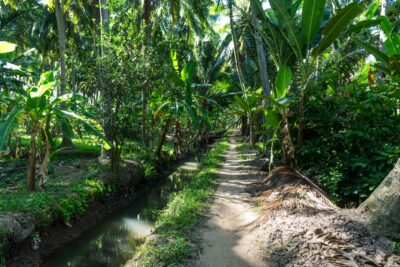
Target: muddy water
(112, 242)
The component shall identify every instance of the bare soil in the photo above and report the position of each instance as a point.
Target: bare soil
(228, 238)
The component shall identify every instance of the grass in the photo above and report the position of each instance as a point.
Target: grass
(396, 247)
(246, 149)
(63, 198)
(173, 242)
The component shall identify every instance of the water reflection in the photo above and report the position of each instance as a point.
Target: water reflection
(112, 242)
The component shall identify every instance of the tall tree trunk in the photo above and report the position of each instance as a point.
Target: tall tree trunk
(237, 57)
(262, 62)
(104, 15)
(147, 6)
(236, 48)
(58, 6)
(262, 59)
(383, 206)
(147, 9)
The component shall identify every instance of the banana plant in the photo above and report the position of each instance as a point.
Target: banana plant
(37, 106)
(388, 59)
(173, 108)
(306, 34)
(248, 105)
(278, 114)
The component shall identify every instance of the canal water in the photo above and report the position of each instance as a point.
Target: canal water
(112, 242)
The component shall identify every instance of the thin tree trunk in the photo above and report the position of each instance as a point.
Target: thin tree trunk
(383, 206)
(32, 163)
(162, 141)
(147, 9)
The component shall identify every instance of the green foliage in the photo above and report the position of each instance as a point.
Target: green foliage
(59, 201)
(396, 247)
(311, 23)
(173, 243)
(283, 81)
(351, 142)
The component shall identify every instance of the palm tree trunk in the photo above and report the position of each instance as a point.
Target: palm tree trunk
(262, 59)
(66, 141)
(383, 206)
(236, 48)
(262, 63)
(61, 44)
(147, 6)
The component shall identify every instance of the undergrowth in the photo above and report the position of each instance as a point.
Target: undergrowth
(173, 241)
(62, 199)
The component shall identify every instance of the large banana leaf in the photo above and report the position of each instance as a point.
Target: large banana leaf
(337, 24)
(311, 19)
(9, 123)
(391, 42)
(292, 33)
(283, 81)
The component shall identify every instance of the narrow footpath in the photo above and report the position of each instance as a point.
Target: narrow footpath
(227, 237)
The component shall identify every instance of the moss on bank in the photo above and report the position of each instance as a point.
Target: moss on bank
(173, 241)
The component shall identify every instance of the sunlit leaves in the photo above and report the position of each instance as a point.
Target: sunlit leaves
(6, 47)
(283, 81)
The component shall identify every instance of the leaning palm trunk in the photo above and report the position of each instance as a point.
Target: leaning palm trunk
(383, 206)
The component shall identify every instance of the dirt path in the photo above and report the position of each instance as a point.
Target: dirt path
(227, 238)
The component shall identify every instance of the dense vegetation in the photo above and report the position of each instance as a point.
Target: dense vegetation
(315, 83)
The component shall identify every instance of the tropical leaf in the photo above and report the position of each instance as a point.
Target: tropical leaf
(391, 45)
(365, 24)
(194, 117)
(188, 71)
(311, 19)
(283, 81)
(337, 24)
(9, 123)
(175, 61)
(295, 7)
(372, 50)
(292, 34)
(89, 125)
(273, 118)
(6, 47)
(371, 10)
